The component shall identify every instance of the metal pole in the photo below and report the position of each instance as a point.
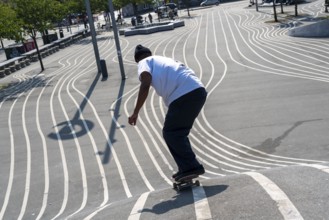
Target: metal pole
(93, 35)
(116, 38)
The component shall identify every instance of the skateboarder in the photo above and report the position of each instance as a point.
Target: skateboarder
(184, 95)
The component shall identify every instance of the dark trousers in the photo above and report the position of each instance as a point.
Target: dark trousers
(178, 122)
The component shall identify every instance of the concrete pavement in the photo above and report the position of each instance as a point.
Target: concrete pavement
(68, 151)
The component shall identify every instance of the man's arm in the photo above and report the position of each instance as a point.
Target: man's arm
(146, 79)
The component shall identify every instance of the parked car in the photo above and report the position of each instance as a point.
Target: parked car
(289, 2)
(173, 7)
(209, 2)
(189, 3)
(164, 9)
(277, 2)
(137, 20)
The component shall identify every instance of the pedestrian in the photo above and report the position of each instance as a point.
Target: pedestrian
(171, 15)
(85, 22)
(150, 18)
(184, 95)
(119, 18)
(159, 15)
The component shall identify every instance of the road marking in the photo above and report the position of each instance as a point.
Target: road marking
(89, 217)
(201, 205)
(28, 160)
(287, 209)
(45, 156)
(318, 166)
(130, 148)
(77, 144)
(148, 150)
(136, 212)
(12, 162)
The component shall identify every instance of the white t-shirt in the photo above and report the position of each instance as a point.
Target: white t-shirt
(170, 79)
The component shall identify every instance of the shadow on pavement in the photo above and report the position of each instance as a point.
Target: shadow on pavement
(113, 128)
(269, 145)
(76, 127)
(11, 91)
(182, 199)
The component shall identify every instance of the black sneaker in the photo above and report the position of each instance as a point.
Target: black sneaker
(175, 175)
(196, 171)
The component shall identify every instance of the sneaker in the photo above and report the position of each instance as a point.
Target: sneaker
(196, 171)
(175, 175)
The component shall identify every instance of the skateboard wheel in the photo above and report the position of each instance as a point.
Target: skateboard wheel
(197, 183)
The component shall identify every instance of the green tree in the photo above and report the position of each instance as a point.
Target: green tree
(10, 25)
(135, 3)
(118, 4)
(74, 6)
(187, 4)
(38, 16)
(78, 6)
(274, 11)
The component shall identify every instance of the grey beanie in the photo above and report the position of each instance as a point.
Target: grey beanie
(140, 50)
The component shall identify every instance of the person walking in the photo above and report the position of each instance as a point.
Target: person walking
(171, 15)
(184, 95)
(119, 18)
(150, 17)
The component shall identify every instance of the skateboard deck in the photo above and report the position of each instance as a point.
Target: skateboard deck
(186, 182)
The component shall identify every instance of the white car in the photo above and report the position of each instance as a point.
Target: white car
(209, 2)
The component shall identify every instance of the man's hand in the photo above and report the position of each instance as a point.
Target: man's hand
(133, 119)
(146, 79)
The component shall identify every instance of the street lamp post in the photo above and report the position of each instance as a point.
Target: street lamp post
(93, 35)
(116, 38)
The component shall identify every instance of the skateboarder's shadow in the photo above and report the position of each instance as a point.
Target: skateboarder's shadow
(183, 198)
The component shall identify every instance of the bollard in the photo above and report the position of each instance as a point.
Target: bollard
(104, 69)
(61, 34)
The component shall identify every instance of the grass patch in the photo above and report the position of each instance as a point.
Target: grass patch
(3, 86)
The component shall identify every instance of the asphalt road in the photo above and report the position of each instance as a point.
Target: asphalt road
(68, 152)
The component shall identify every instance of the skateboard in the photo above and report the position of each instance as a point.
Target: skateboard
(186, 182)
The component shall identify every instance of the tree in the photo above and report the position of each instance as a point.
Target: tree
(10, 25)
(187, 4)
(78, 6)
(135, 3)
(38, 16)
(274, 11)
